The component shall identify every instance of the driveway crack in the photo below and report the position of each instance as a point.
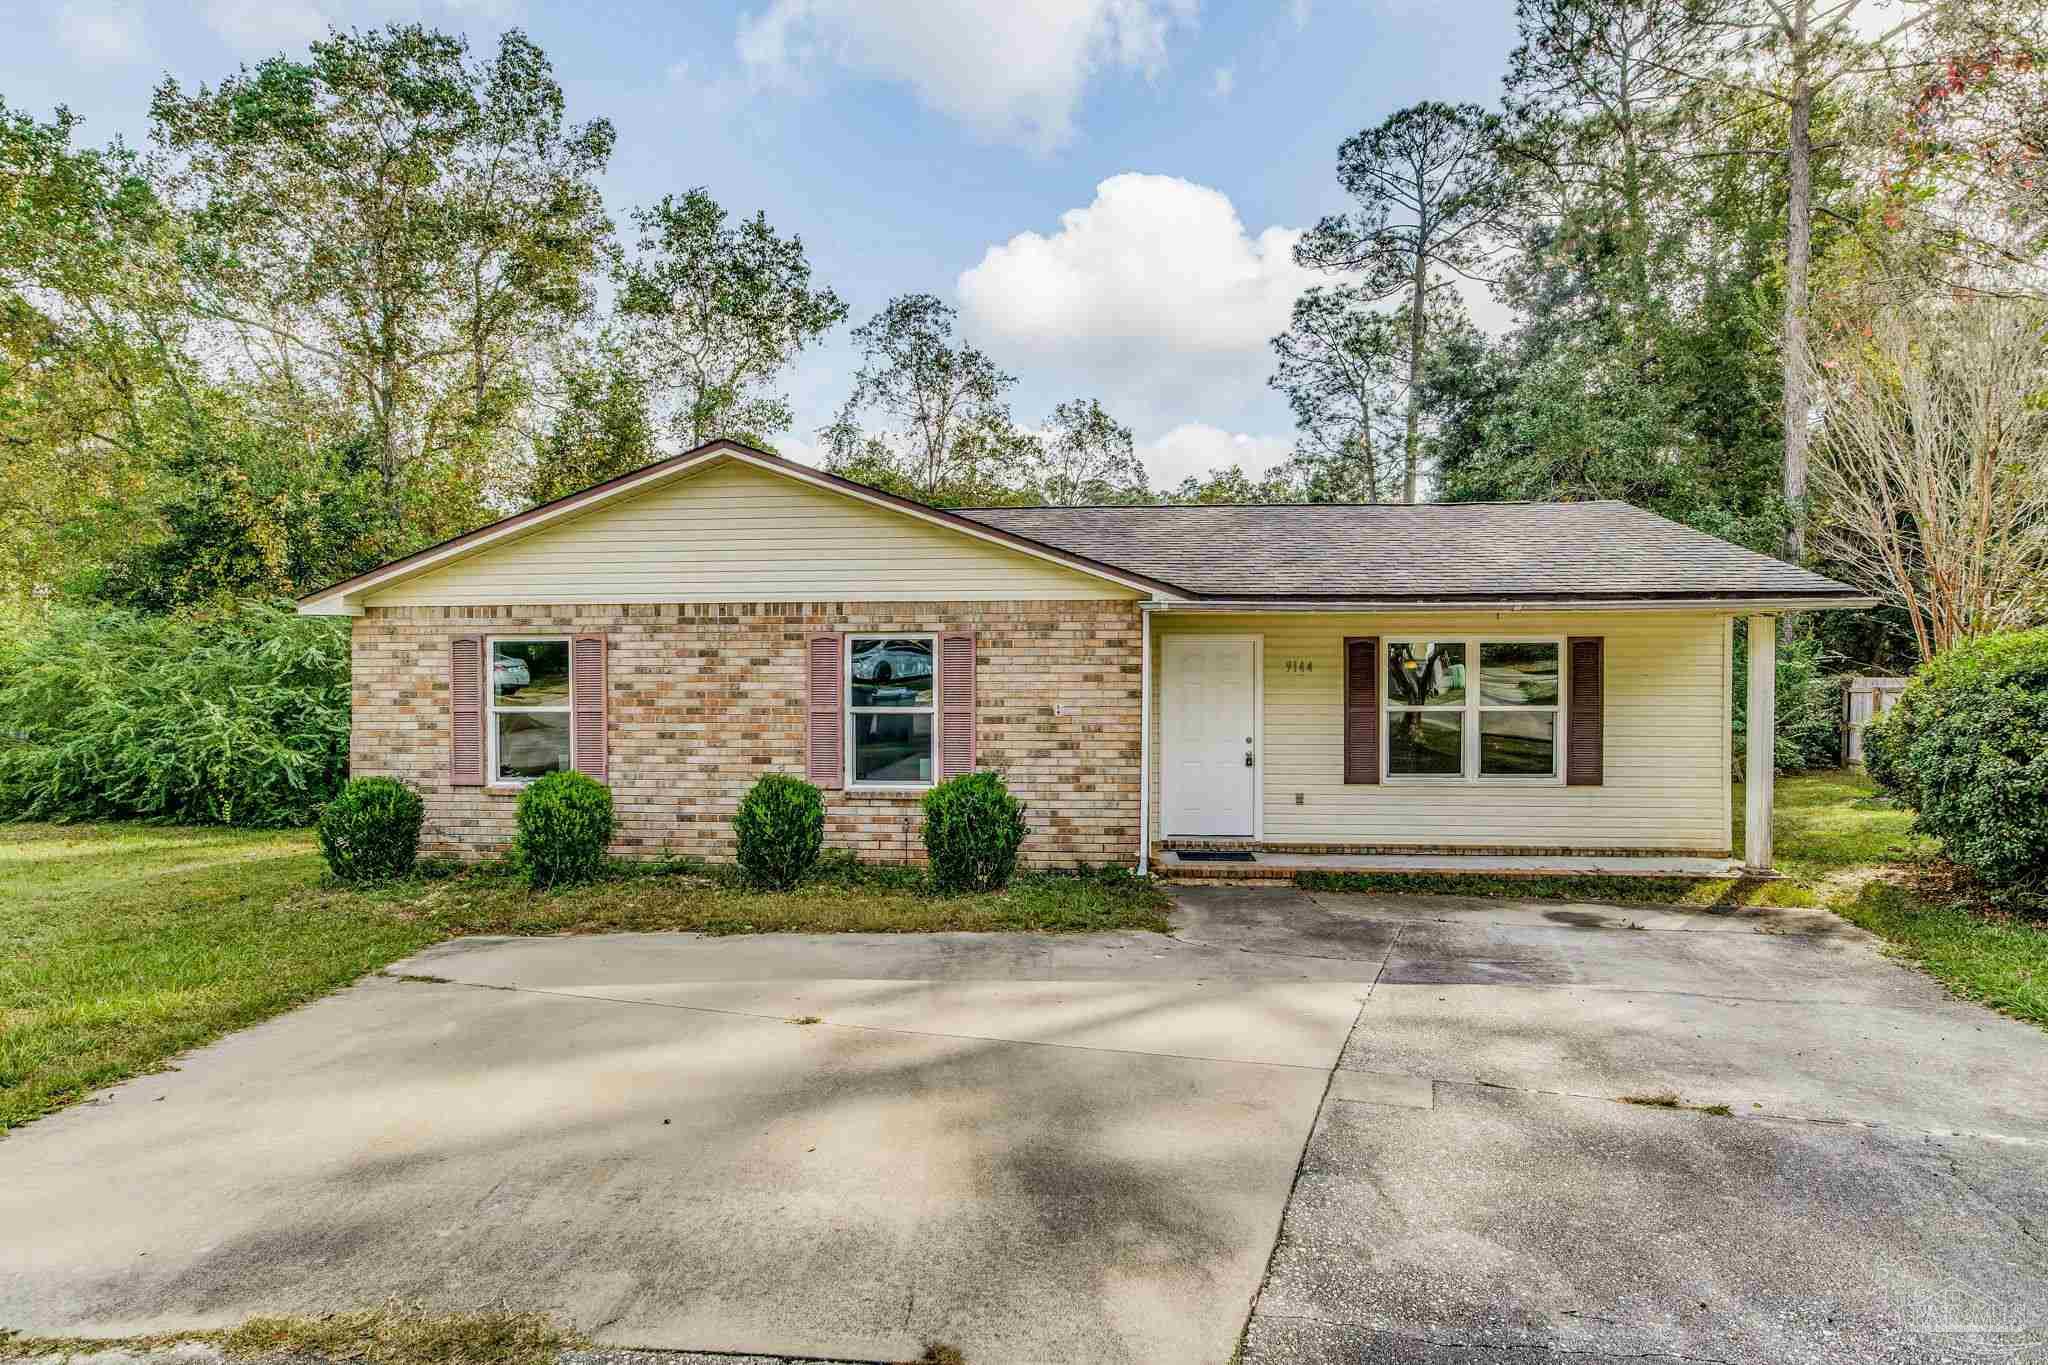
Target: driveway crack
(1315, 1121)
(2026, 1229)
(1506, 1348)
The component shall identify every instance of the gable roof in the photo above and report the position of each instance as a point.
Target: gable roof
(1381, 553)
(1433, 552)
(337, 598)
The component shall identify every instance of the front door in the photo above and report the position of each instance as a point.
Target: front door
(1208, 733)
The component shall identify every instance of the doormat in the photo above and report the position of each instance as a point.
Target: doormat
(1214, 856)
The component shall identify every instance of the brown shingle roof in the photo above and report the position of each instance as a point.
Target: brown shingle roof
(1427, 552)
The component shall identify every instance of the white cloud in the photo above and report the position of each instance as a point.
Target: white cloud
(1298, 10)
(1196, 448)
(103, 34)
(1010, 70)
(1222, 82)
(1156, 295)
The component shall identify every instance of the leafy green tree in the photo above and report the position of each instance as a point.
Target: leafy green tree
(1430, 201)
(721, 310)
(391, 225)
(1220, 487)
(94, 377)
(1085, 457)
(250, 509)
(1338, 362)
(600, 430)
(945, 433)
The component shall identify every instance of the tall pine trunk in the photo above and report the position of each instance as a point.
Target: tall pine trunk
(1417, 337)
(1798, 257)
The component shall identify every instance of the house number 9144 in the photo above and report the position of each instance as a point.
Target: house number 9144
(1300, 665)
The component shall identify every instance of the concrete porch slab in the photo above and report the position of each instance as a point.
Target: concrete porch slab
(1283, 866)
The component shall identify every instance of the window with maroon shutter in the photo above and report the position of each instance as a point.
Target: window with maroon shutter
(587, 706)
(825, 712)
(1362, 709)
(466, 713)
(1585, 726)
(956, 704)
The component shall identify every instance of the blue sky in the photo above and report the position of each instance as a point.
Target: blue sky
(1107, 188)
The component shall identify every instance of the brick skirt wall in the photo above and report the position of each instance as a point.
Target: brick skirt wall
(705, 697)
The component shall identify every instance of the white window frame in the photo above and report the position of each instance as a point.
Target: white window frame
(1469, 712)
(491, 712)
(849, 710)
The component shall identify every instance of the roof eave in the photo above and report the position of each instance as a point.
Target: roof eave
(1770, 602)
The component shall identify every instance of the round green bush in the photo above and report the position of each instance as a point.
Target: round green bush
(780, 826)
(370, 831)
(565, 825)
(973, 828)
(1967, 748)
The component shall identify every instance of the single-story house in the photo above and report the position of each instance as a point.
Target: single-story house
(1536, 678)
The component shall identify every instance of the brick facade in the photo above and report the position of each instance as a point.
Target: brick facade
(705, 697)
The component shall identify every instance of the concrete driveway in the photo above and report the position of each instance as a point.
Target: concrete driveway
(1080, 1149)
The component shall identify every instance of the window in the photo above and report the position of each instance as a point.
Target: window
(1446, 719)
(892, 709)
(529, 719)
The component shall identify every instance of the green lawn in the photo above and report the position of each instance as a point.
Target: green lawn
(123, 945)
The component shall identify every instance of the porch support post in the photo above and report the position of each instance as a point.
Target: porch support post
(1760, 743)
(1144, 740)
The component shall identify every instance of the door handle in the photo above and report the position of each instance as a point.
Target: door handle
(1248, 758)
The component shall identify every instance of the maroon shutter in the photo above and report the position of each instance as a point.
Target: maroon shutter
(1585, 719)
(466, 713)
(956, 705)
(825, 712)
(586, 704)
(1362, 709)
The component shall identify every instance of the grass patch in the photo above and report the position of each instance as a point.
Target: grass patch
(1996, 957)
(376, 1336)
(1720, 893)
(124, 945)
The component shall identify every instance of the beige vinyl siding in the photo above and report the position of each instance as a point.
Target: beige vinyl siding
(734, 533)
(1666, 774)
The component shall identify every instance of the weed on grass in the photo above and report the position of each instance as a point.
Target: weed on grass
(1670, 1100)
(381, 1336)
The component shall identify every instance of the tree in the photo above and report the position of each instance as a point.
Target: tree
(1337, 362)
(1594, 101)
(1231, 485)
(1788, 55)
(600, 428)
(1431, 199)
(1085, 456)
(1931, 464)
(721, 310)
(947, 434)
(94, 376)
(393, 226)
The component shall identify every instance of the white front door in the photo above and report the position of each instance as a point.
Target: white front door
(1208, 736)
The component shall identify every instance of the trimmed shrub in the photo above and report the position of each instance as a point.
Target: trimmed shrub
(1966, 747)
(371, 831)
(565, 825)
(973, 828)
(780, 828)
(222, 716)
